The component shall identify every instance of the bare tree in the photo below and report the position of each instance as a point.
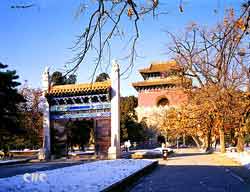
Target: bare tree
(212, 56)
(213, 59)
(104, 24)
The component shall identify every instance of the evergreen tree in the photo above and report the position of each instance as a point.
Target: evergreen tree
(9, 100)
(102, 77)
(57, 78)
(71, 79)
(130, 128)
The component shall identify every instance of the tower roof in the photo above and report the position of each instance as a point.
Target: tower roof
(162, 67)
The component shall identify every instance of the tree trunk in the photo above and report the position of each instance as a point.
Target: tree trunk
(209, 140)
(184, 139)
(240, 142)
(205, 143)
(222, 141)
(196, 142)
(92, 137)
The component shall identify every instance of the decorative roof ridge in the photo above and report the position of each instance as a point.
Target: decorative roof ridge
(82, 85)
(79, 87)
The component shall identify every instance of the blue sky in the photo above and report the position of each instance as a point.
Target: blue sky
(41, 36)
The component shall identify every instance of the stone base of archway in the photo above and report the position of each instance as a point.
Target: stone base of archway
(113, 153)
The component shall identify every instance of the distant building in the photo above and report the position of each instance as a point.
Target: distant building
(163, 86)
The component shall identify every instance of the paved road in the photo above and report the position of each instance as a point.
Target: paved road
(190, 171)
(11, 170)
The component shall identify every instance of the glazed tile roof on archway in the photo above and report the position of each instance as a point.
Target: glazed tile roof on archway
(79, 88)
(161, 67)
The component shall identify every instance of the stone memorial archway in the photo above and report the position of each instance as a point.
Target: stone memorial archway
(99, 102)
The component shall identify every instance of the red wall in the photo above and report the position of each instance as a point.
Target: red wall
(150, 98)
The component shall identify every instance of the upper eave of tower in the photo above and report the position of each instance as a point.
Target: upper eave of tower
(162, 67)
(164, 81)
(83, 88)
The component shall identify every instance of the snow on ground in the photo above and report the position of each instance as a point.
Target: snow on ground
(25, 150)
(81, 153)
(92, 177)
(243, 158)
(155, 151)
(247, 148)
(2, 162)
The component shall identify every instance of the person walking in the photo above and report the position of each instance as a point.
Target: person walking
(128, 144)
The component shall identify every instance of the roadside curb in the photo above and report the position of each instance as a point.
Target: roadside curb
(123, 184)
(13, 162)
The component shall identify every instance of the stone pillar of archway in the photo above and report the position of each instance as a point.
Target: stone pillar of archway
(46, 115)
(114, 149)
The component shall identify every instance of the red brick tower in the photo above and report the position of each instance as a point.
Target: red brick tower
(163, 86)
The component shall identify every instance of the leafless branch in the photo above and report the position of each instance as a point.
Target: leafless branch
(104, 24)
(23, 6)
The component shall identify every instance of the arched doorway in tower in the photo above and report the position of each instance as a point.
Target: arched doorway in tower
(162, 102)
